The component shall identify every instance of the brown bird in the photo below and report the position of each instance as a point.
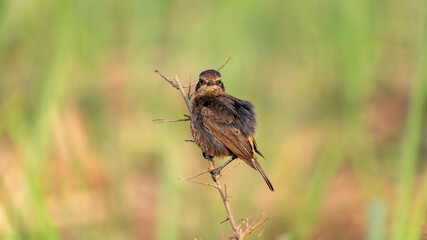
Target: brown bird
(223, 125)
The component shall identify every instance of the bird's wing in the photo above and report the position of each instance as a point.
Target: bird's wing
(248, 123)
(222, 123)
(234, 125)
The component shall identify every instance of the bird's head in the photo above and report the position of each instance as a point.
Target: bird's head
(210, 82)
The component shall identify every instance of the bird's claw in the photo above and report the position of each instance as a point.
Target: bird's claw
(215, 173)
(206, 156)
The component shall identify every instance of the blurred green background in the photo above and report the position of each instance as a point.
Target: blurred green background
(339, 86)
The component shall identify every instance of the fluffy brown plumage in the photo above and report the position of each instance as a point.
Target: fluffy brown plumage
(223, 125)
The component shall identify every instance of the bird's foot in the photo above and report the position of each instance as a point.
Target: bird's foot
(215, 172)
(206, 156)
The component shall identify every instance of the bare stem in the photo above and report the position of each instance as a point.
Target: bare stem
(167, 79)
(175, 120)
(197, 175)
(189, 88)
(224, 64)
(181, 89)
(222, 174)
(224, 200)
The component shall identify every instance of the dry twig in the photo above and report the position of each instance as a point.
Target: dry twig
(224, 64)
(175, 120)
(222, 174)
(238, 232)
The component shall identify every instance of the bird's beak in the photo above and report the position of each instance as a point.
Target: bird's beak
(210, 83)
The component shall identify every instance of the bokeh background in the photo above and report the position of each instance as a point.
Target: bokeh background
(339, 86)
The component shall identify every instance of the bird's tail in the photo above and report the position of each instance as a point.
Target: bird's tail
(261, 171)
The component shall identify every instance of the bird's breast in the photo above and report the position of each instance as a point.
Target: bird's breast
(204, 139)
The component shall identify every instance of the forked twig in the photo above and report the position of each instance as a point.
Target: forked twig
(257, 223)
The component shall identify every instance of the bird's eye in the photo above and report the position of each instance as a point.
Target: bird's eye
(219, 82)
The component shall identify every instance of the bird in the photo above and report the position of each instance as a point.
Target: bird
(223, 125)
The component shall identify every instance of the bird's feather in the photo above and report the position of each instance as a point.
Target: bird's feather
(225, 123)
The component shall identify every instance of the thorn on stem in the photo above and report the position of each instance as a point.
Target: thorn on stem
(227, 219)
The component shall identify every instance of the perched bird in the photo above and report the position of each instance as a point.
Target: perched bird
(223, 125)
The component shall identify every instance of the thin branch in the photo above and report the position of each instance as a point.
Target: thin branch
(245, 221)
(167, 79)
(255, 226)
(174, 120)
(261, 232)
(178, 86)
(225, 200)
(187, 118)
(197, 175)
(189, 88)
(222, 174)
(181, 89)
(224, 64)
(257, 223)
(199, 182)
(257, 219)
